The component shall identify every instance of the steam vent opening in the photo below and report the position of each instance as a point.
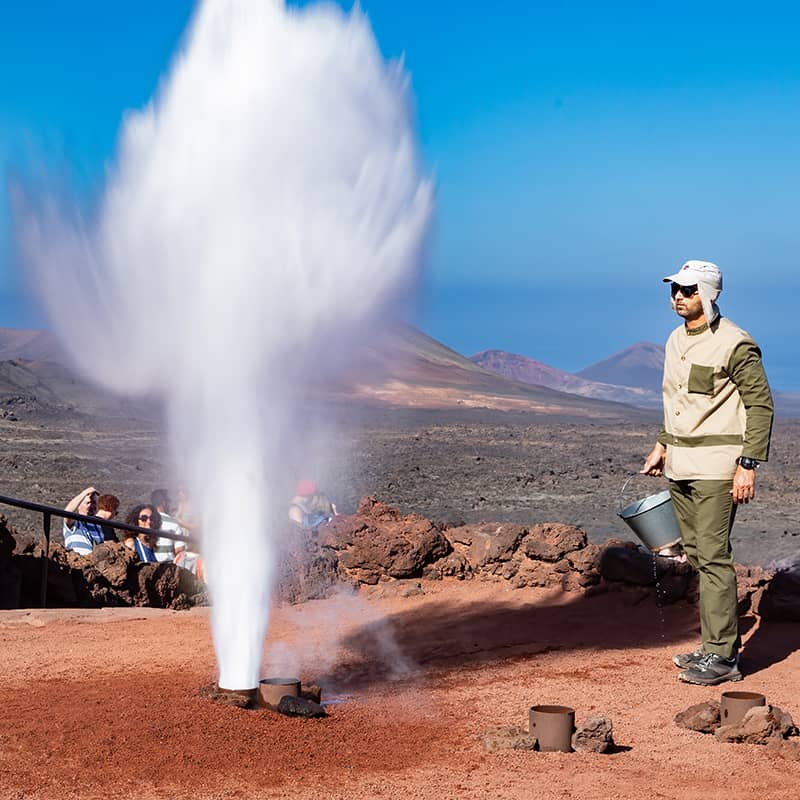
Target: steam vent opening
(287, 696)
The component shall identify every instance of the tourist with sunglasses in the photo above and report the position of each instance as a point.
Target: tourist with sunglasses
(717, 426)
(143, 516)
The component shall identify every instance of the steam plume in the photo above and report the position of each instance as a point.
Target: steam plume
(261, 211)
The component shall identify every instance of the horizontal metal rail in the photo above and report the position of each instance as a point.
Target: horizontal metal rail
(48, 512)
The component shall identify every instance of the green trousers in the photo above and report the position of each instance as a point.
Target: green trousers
(705, 512)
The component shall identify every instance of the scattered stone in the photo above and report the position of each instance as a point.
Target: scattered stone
(785, 748)
(757, 726)
(703, 717)
(300, 707)
(512, 737)
(593, 735)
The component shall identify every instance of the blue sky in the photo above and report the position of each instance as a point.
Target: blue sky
(581, 151)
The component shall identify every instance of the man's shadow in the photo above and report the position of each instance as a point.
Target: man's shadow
(777, 635)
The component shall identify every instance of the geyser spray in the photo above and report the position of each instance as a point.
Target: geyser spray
(265, 207)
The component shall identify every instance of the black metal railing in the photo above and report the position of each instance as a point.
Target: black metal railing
(48, 512)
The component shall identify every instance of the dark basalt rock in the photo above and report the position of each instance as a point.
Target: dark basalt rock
(300, 707)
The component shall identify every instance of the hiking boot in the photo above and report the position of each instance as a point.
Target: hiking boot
(685, 660)
(711, 670)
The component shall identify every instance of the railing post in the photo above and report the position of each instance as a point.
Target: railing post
(46, 560)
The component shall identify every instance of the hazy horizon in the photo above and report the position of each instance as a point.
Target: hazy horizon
(579, 151)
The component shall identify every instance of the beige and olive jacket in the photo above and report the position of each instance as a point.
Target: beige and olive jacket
(717, 402)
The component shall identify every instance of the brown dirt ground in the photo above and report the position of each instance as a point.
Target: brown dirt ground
(106, 703)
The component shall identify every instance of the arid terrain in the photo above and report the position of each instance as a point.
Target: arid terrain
(449, 465)
(107, 703)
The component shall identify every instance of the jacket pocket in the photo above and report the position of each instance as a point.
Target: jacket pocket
(701, 379)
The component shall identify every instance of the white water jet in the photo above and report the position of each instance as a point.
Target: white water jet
(261, 212)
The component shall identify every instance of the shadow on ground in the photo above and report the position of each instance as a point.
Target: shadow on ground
(770, 643)
(457, 636)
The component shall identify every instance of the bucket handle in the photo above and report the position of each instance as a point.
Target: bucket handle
(620, 504)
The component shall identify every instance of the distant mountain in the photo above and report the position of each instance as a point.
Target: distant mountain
(30, 345)
(51, 387)
(527, 370)
(639, 365)
(405, 367)
(402, 367)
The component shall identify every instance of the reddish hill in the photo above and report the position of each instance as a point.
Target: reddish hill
(527, 370)
(403, 367)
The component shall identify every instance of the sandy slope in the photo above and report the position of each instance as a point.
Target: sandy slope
(105, 703)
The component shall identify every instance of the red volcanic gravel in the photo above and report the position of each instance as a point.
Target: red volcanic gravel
(105, 704)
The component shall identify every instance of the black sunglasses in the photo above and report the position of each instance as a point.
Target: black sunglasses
(686, 291)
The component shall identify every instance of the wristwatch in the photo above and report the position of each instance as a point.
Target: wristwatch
(747, 463)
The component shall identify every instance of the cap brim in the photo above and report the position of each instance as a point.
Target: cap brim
(680, 278)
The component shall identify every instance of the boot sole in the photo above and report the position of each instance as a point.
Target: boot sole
(732, 677)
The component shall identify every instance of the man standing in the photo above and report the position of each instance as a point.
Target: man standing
(717, 427)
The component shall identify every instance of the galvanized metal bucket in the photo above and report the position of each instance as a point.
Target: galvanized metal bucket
(652, 518)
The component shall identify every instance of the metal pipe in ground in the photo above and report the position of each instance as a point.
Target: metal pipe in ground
(271, 690)
(553, 726)
(734, 705)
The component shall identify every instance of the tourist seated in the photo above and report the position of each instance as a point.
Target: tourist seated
(143, 516)
(80, 536)
(166, 548)
(107, 507)
(310, 507)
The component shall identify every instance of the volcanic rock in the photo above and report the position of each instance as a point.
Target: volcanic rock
(703, 717)
(378, 540)
(307, 571)
(164, 586)
(300, 707)
(629, 563)
(7, 541)
(551, 541)
(785, 748)
(112, 561)
(453, 565)
(512, 737)
(487, 542)
(757, 726)
(780, 601)
(593, 735)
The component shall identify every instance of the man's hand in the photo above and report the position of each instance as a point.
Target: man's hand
(744, 485)
(654, 463)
